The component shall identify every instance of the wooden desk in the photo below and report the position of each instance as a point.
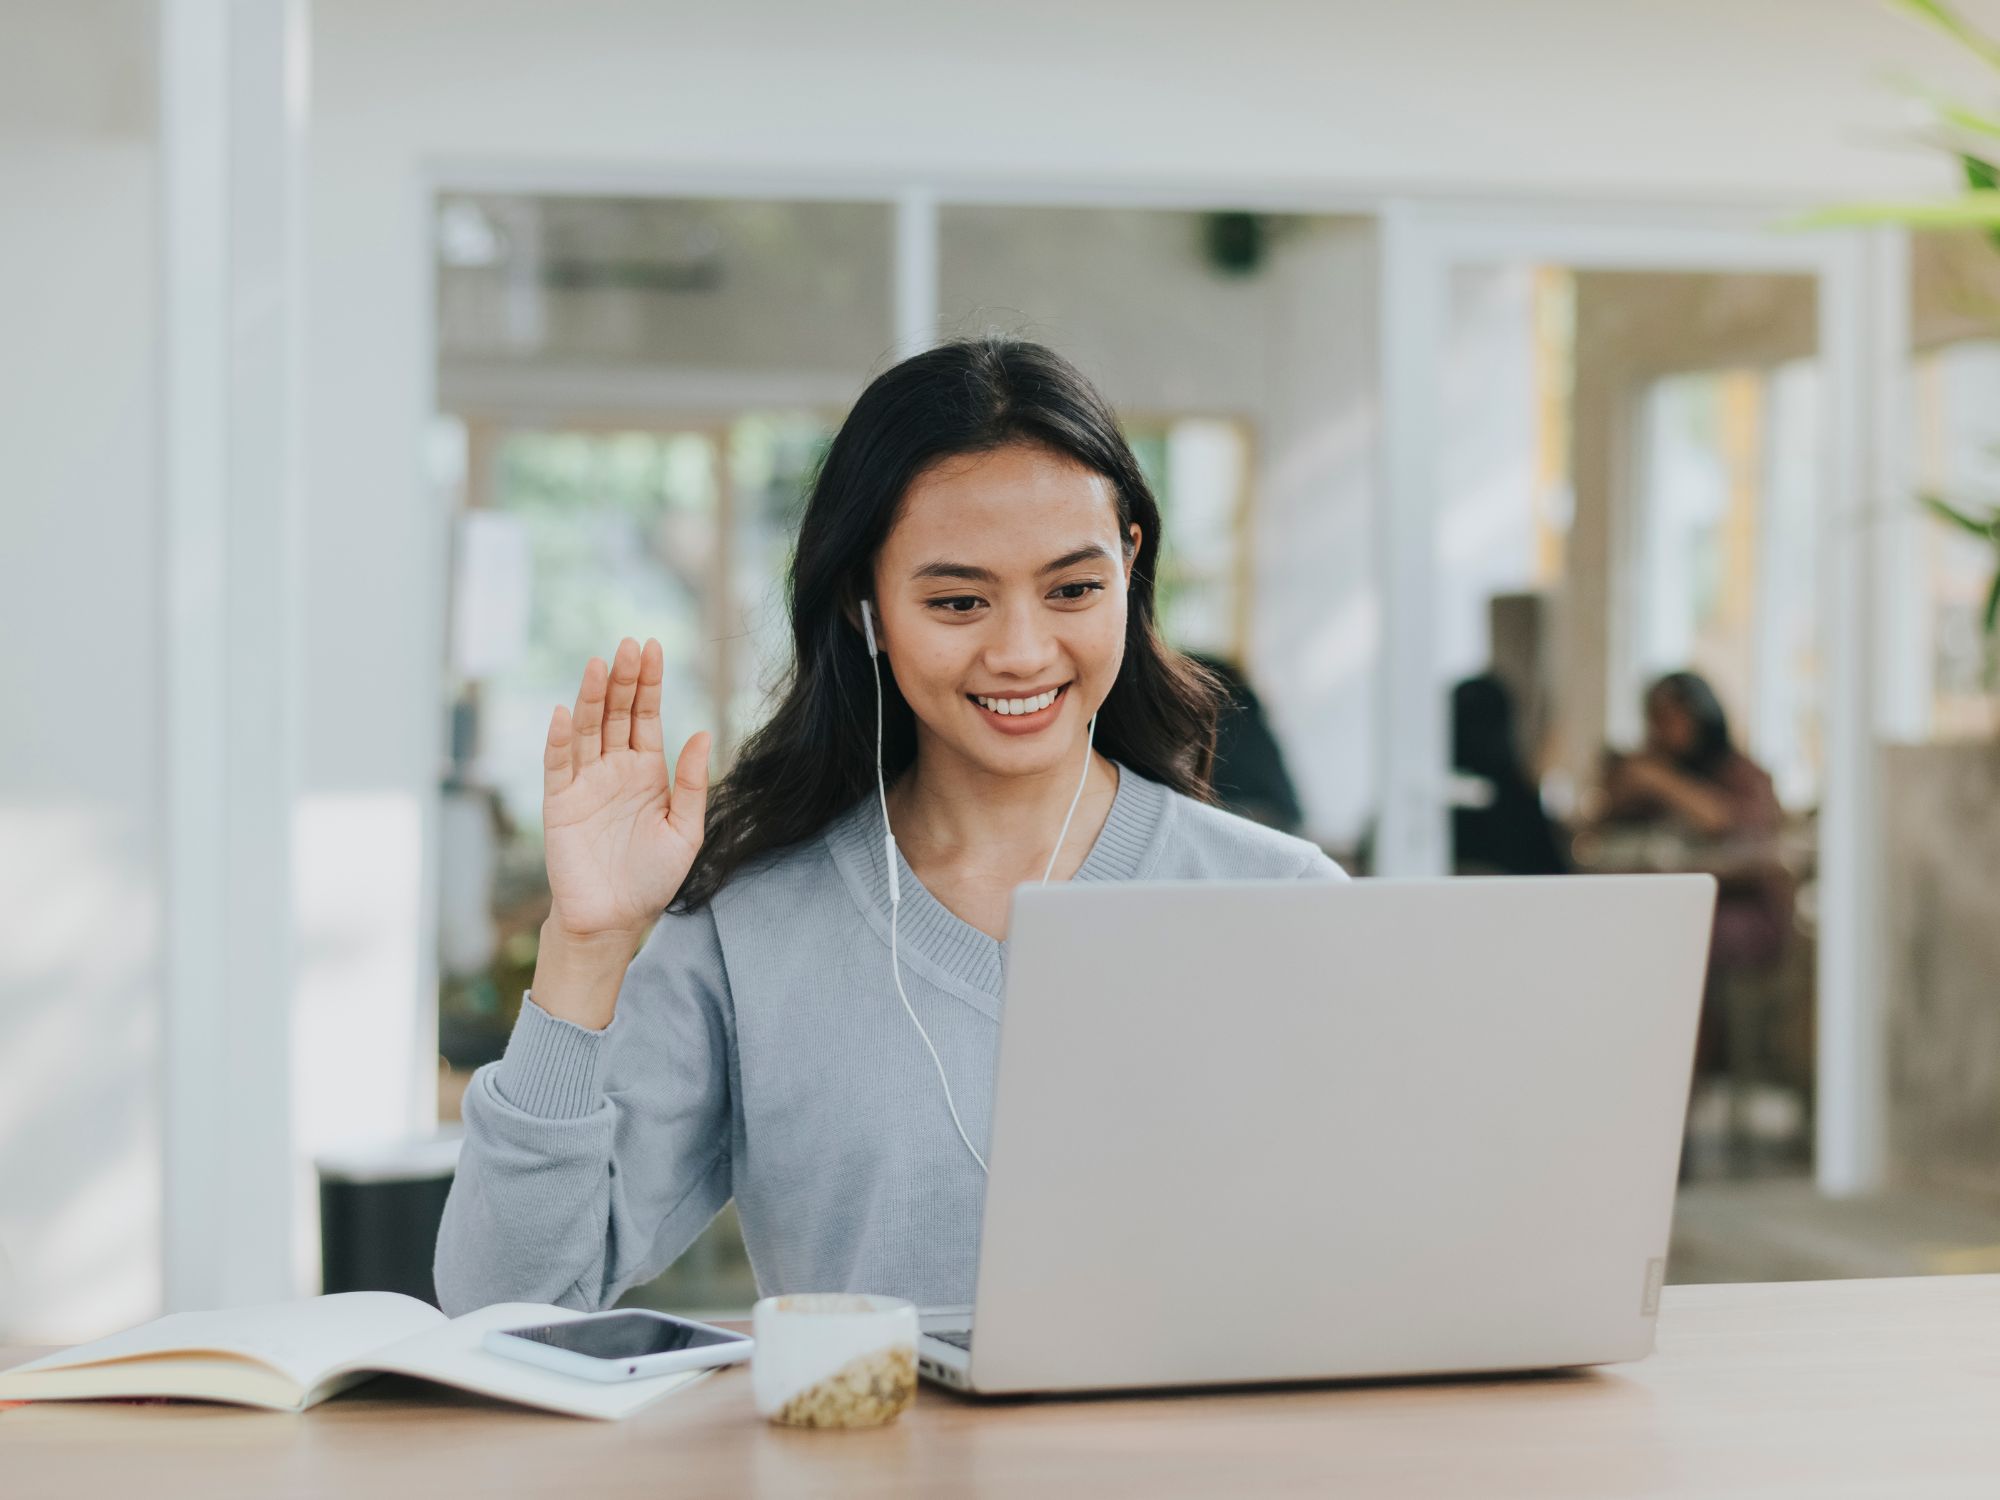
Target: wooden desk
(1803, 1389)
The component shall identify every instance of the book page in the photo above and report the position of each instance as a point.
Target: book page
(451, 1355)
(191, 1377)
(301, 1340)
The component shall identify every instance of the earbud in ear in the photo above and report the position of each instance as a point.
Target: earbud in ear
(868, 626)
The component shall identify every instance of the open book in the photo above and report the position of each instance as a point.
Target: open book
(292, 1355)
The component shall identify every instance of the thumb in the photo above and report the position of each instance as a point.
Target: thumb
(687, 805)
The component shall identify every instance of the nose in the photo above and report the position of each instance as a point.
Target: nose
(1021, 644)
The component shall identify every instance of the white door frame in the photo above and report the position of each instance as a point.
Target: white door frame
(1863, 285)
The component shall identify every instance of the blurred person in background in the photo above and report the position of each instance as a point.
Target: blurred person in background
(1498, 823)
(1692, 779)
(1250, 777)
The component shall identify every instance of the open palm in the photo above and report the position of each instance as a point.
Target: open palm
(618, 835)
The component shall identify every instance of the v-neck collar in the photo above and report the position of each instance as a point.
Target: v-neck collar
(935, 940)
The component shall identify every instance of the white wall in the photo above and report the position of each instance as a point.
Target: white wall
(80, 962)
(1706, 98)
(1316, 630)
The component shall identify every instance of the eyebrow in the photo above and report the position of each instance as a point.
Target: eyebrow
(1087, 553)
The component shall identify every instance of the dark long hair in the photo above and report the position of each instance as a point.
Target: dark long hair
(1713, 744)
(815, 756)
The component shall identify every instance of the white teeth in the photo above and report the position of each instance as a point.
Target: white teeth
(1011, 706)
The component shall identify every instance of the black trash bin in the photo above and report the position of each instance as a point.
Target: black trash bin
(379, 1210)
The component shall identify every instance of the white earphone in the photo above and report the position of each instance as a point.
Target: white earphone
(896, 886)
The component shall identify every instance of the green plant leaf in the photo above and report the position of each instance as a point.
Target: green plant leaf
(1966, 119)
(1980, 178)
(1944, 109)
(1980, 210)
(1955, 26)
(1992, 615)
(1944, 510)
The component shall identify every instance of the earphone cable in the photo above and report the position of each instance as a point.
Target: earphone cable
(937, 1062)
(896, 885)
(896, 900)
(1089, 739)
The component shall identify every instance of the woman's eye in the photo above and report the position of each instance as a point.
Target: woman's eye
(958, 604)
(1074, 592)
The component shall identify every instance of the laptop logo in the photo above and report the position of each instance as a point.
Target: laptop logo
(1656, 1276)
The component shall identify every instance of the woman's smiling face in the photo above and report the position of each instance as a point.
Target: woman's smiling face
(1000, 595)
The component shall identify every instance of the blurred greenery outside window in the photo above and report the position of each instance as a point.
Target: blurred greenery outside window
(681, 533)
(1199, 471)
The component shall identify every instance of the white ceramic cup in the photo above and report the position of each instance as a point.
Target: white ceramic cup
(833, 1359)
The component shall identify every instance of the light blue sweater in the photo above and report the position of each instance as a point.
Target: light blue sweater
(759, 1052)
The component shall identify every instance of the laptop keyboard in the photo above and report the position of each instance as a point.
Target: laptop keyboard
(961, 1339)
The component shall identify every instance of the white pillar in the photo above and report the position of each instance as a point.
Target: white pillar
(232, 118)
(1865, 347)
(1413, 830)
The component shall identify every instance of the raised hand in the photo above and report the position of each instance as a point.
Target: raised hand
(618, 835)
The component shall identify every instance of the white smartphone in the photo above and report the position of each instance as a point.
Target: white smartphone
(628, 1344)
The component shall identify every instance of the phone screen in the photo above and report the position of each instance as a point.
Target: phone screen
(625, 1336)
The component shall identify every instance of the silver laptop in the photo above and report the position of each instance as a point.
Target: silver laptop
(1271, 1131)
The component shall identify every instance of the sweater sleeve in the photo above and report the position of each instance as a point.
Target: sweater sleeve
(1319, 866)
(593, 1158)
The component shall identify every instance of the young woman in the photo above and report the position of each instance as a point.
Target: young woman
(789, 1035)
(1692, 777)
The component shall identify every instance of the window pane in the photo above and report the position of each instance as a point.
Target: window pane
(622, 534)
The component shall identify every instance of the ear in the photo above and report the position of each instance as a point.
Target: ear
(1133, 537)
(852, 611)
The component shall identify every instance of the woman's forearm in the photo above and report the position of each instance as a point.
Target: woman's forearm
(577, 979)
(1709, 810)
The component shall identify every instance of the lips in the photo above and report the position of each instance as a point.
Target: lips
(1017, 703)
(1020, 713)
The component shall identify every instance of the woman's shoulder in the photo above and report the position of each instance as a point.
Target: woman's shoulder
(1750, 787)
(780, 878)
(1737, 769)
(1203, 842)
(775, 904)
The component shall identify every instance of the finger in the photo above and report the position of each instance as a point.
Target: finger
(589, 715)
(646, 706)
(556, 770)
(618, 706)
(687, 808)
